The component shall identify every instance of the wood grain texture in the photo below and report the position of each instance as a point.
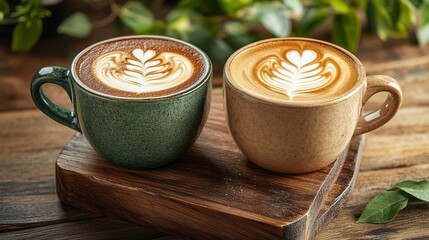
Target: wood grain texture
(96, 228)
(212, 192)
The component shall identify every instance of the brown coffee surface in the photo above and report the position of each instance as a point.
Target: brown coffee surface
(140, 67)
(293, 70)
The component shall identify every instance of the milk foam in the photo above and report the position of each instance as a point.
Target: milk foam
(293, 70)
(296, 73)
(142, 71)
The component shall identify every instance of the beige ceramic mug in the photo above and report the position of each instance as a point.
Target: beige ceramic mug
(293, 104)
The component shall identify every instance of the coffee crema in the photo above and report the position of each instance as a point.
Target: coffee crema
(293, 70)
(140, 67)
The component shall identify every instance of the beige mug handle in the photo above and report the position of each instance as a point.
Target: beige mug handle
(377, 118)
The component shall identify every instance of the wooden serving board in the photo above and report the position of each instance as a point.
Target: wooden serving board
(212, 192)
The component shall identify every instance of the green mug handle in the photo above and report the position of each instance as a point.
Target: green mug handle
(59, 76)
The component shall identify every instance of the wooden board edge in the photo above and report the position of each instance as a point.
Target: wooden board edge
(335, 208)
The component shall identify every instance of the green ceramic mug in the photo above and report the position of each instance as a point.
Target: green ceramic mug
(140, 101)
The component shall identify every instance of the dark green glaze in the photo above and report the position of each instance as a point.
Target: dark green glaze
(142, 133)
(59, 76)
(135, 133)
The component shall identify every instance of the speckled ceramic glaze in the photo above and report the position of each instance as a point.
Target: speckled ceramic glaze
(132, 132)
(299, 137)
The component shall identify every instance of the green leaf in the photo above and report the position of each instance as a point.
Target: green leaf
(393, 18)
(384, 207)
(235, 28)
(422, 35)
(238, 41)
(4, 9)
(371, 24)
(346, 30)
(179, 21)
(406, 18)
(136, 16)
(381, 9)
(424, 13)
(158, 28)
(207, 8)
(181, 24)
(190, 4)
(340, 6)
(218, 50)
(382, 18)
(231, 7)
(362, 3)
(418, 189)
(22, 9)
(76, 25)
(295, 6)
(26, 34)
(313, 17)
(274, 17)
(177, 13)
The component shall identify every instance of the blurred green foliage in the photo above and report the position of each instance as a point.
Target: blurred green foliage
(29, 15)
(220, 26)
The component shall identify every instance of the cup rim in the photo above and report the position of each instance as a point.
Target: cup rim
(205, 76)
(361, 74)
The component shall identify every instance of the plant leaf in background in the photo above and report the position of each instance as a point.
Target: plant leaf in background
(218, 50)
(231, 7)
(190, 4)
(158, 28)
(179, 25)
(295, 6)
(26, 34)
(384, 207)
(424, 13)
(422, 32)
(4, 9)
(136, 16)
(406, 17)
(346, 30)
(418, 189)
(235, 23)
(235, 28)
(179, 22)
(422, 35)
(393, 18)
(29, 28)
(340, 6)
(76, 25)
(313, 17)
(382, 18)
(274, 17)
(237, 34)
(362, 3)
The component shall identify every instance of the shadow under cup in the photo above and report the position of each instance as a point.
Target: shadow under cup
(138, 133)
(302, 136)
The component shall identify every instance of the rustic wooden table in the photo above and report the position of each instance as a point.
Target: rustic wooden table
(30, 143)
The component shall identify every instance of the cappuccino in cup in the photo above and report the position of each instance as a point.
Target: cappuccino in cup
(293, 104)
(140, 101)
(296, 71)
(140, 68)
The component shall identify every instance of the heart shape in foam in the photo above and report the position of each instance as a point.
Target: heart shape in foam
(142, 71)
(296, 73)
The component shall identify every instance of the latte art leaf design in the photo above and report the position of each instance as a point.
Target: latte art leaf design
(142, 71)
(298, 73)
